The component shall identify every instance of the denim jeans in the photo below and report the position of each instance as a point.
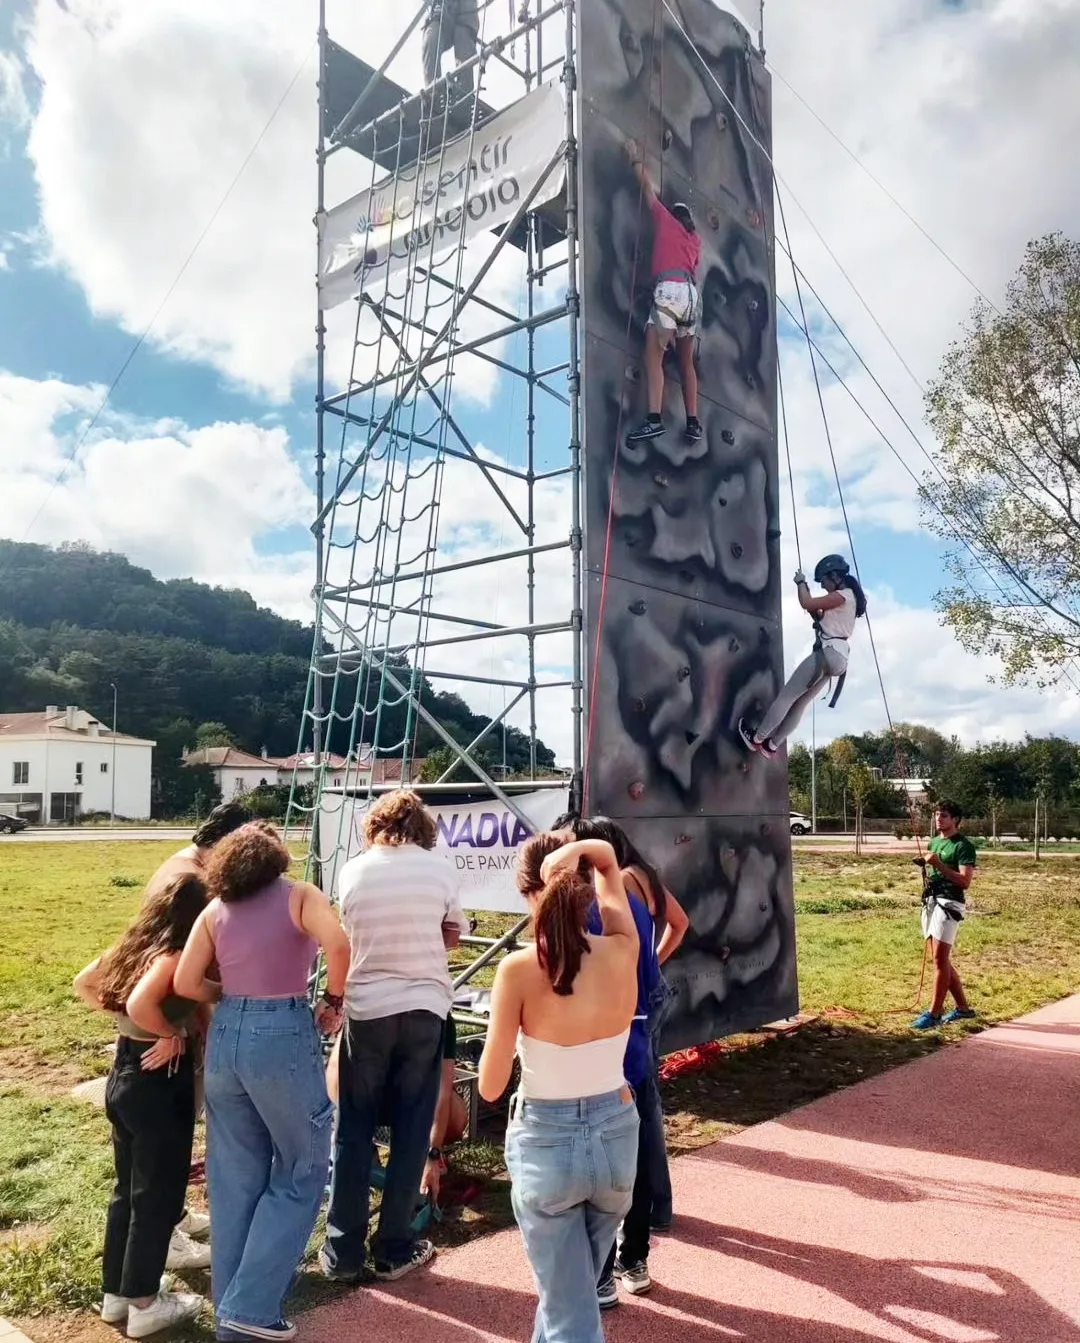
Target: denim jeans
(572, 1166)
(392, 1067)
(633, 1240)
(268, 1150)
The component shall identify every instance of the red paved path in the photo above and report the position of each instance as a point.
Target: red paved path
(863, 1216)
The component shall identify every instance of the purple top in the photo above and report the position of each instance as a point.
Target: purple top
(260, 951)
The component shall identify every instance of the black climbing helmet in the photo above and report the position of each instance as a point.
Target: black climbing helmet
(684, 215)
(831, 564)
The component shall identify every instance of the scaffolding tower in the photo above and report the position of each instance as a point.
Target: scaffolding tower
(402, 605)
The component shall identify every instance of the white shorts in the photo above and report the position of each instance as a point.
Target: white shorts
(675, 307)
(937, 924)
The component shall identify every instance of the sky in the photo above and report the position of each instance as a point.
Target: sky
(157, 189)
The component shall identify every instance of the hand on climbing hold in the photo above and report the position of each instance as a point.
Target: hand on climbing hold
(800, 577)
(633, 149)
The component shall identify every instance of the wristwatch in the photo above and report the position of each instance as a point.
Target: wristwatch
(334, 1000)
(434, 1154)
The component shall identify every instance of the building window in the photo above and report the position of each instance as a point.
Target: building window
(78, 774)
(63, 806)
(20, 772)
(104, 767)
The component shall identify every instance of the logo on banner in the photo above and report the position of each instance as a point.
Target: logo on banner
(473, 185)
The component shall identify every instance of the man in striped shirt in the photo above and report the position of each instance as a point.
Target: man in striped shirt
(399, 905)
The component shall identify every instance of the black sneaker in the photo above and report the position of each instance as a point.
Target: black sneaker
(423, 1253)
(229, 1331)
(694, 430)
(746, 734)
(342, 1272)
(651, 427)
(635, 1277)
(607, 1294)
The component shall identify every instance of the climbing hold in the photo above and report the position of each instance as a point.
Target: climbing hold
(752, 305)
(691, 737)
(736, 550)
(666, 140)
(633, 373)
(684, 672)
(682, 839)
(764, 828)
(725, 955)
(661, 480)
(639, 705)
(713, 216)
(733, 645)
(721, 121)
(753, 218)
(721, 502)
(728, 437)
(636, 790)
(639, 607)
(686, 575)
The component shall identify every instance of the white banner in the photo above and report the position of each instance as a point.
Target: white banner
(481, 839)
(472, 184)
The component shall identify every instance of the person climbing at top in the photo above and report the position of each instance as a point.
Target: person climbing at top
(676, 305)
(834, 614)
(451, 25)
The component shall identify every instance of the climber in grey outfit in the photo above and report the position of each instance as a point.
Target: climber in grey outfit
(834, 613)
(451, 25)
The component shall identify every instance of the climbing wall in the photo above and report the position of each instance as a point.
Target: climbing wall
(682, 608)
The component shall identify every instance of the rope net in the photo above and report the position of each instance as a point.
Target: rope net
(415, 503)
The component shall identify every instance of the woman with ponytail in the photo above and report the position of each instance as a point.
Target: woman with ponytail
(834, 614)
(564, 1006)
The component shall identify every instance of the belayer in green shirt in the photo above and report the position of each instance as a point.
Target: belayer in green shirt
(947, 873)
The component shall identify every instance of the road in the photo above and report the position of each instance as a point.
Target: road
(76, 834)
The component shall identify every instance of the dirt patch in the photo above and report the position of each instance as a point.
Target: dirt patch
(83, 1327)
(23, 1066)
(26, 1233)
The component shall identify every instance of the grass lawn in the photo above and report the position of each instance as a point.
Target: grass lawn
(859, 949)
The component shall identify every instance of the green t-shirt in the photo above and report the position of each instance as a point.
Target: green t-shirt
(955, 853)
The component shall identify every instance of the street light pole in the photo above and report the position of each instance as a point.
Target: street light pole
(112, 767)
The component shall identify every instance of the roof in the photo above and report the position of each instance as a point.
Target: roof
(54, 727)
(306, 760)
(229, 757)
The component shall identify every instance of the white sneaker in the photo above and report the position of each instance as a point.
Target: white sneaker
(186, 1253)
(166, 1309)
(114, 1309)
(194, 1224)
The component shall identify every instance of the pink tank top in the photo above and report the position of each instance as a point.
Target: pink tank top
(260, 951)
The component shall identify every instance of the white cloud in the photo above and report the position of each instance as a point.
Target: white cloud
(147, 111)
(14, 105)
(182, 501)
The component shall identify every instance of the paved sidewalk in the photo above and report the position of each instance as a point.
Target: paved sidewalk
(938, 1202)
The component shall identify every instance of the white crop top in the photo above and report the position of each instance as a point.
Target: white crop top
(838, 624)
(571, 1072)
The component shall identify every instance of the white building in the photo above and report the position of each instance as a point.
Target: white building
(235, 772)
(56, 765)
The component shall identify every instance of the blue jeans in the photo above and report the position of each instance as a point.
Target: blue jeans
(393, 1066)
(572, 1166)
(268, 1123)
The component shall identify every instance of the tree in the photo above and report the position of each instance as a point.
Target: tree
(860, 782)
(213, 734)
(1005, 409)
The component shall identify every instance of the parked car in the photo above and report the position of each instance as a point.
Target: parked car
(800, 824)
(11, 823)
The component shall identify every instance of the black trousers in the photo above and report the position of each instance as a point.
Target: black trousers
(153, 1123)
(632, 1243)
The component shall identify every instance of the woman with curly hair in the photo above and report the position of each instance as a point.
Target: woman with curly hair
(150, 1103)
(565, 1005)
(268, 1115)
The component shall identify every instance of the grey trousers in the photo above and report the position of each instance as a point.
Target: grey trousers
(783, 715)
(446, 32)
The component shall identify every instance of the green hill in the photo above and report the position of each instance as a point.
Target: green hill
(74, 620)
